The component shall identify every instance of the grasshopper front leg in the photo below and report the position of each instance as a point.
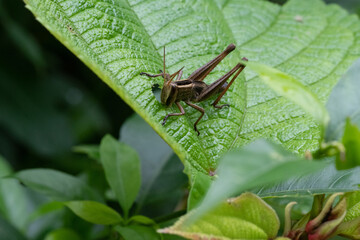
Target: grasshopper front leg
(182, 112)
(151, 75)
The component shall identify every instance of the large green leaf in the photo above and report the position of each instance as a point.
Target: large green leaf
(119, 39)
(325, 181)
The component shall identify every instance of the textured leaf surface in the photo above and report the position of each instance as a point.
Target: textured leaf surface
(118, 39)
(353, 205)
(244, 217)
(288, 87)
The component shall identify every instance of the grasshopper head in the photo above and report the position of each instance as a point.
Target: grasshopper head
(168, 96)
(167, 92)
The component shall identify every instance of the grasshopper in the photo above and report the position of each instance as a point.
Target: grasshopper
(193, 89)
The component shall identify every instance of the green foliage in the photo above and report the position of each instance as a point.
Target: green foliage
(313, 42)
(351, 141)
(306, 40)
(269, 164)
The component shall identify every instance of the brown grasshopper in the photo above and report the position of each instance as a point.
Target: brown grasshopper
(193, 89)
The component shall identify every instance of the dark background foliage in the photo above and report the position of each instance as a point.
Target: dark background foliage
(49, 100)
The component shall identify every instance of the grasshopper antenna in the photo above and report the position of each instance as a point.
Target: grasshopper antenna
(164, 68)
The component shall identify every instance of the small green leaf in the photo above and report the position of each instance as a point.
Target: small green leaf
(62, 234)
(57, 185)
(137, 232)
(351, 142)
(200, 186)
(287, 86)
(244, 217)
(45, 209)
(14, 203)
(258, 164)
(353, 205)
(122, 170)
(344, 103)
(94, 212)
(350, 228)
(325, 181)
(91, 150)
(163, 182)
(142, 220)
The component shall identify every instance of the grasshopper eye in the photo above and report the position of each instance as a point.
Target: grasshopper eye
(156, 90)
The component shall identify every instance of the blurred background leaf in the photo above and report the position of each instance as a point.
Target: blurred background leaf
(49, 101)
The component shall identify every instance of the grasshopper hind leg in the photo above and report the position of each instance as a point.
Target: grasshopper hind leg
(200, 109)
(238, 69)
(222, 89)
